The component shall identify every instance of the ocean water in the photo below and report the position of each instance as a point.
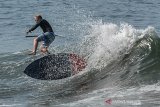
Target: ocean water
(118, 38)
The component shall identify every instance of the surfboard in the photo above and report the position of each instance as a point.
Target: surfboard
(55, 66)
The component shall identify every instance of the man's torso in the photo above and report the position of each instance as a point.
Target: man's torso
(46, 27)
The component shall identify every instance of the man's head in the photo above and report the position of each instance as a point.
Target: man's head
(38, 18)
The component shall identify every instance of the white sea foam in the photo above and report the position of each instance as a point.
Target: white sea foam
(107, 41)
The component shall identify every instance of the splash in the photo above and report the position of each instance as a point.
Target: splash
(107, 41)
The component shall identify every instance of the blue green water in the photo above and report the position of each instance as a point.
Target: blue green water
(118, 38)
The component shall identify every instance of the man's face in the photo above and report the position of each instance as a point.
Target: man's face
(36, 19)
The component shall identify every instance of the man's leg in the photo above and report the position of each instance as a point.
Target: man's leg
(44, 50)
(35, 45)
(49, 38)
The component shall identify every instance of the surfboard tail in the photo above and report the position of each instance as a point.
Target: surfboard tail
(78, 63)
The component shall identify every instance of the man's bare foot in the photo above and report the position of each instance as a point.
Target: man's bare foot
(46, 53)
(32, 53)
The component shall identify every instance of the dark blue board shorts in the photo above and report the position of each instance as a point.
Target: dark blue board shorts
(46, 38)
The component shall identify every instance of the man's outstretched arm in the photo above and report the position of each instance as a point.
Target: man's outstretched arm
(33, 28)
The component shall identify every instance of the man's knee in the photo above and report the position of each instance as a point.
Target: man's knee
(43, 49)
(35, 39)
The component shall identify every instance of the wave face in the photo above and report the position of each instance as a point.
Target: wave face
(134, 54)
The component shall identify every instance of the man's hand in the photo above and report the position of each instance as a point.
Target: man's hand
(28, 32)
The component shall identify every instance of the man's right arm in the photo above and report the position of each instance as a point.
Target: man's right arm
(33, 28)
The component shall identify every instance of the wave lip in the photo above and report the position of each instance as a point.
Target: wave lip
(122, 51)
(107, 42)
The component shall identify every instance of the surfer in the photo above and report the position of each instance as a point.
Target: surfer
(47, 37)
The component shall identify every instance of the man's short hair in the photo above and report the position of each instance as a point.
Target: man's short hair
(39, 16)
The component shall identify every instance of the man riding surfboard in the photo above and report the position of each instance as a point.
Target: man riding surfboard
(47, 37)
